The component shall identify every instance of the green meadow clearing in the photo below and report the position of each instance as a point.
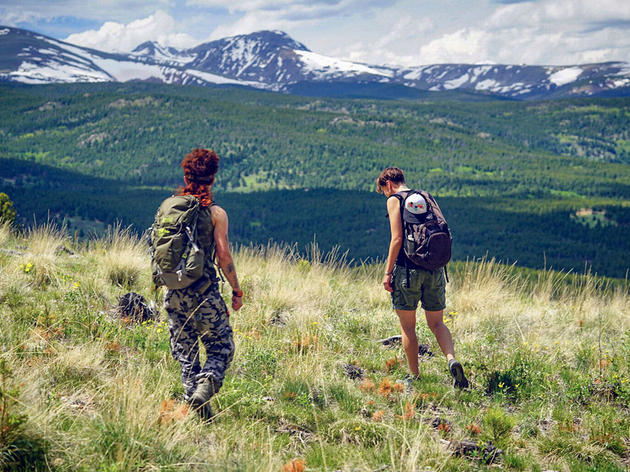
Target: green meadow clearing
(310, 388)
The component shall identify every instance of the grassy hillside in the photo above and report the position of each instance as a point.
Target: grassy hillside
(545, 184)
(557, 232)
(82, 389)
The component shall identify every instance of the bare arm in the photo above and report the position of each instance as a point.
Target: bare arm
(220, 221)
(395, 243)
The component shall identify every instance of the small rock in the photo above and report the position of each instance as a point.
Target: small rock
(437, 422)
(488, 453)
(391, 341)
(424, 350)
(279, 318)
(354, 372)
(299, 433)
(134, 307)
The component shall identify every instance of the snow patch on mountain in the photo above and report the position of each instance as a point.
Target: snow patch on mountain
(217, 79)
(477, 71)
(415, 74)
(486, 84)
(322, 66)
(159, 53)
(565, 76)
(456, 83)
(620, 83)
(124, 71)
(30, 73)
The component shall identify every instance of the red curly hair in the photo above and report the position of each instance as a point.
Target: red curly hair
(199, 166)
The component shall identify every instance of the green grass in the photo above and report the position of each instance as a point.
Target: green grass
(548, 357)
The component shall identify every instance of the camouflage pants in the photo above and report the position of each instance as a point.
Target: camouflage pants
(194, 317)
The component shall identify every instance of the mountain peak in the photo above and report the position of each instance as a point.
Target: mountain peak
(273, 60)
(265, 39)
(146, 45)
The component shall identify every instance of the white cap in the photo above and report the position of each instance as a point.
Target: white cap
(416, 204)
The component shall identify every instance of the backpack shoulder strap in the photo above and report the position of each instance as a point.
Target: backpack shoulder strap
(400, 196)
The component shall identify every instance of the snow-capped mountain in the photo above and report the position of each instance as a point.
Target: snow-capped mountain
(274, 61)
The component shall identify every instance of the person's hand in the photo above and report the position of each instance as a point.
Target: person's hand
(237, 302)
(387, 282)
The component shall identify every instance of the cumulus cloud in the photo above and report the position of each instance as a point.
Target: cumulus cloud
(295, 9)
(119, 37)
(403, 32)
(12, 17)
(113, 10)
(543, 32)
(394, 47)
(254, 15)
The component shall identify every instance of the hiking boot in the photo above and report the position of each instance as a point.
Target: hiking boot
(205, 412)
(457, 372)
(203, 393)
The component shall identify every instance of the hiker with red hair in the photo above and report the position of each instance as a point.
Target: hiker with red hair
(189, 233)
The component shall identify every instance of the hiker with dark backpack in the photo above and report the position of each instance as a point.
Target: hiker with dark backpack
(419, 249)
(190, 229)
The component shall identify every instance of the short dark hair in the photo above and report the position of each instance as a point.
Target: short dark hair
(392, 174)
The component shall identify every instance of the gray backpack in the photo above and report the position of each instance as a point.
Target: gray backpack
(426, 237)
(177, 260)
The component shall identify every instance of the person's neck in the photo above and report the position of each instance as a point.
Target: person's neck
(400, 188)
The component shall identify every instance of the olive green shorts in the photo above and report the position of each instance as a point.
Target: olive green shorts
(426, 286)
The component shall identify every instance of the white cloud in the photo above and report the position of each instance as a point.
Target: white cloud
(118, 37)
(394, 46)
(466, 45)
(250, 22)
(295, 9)
(113, 10)
(543, 32)
(405, 32)
(287, 15)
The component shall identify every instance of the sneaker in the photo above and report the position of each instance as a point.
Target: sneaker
(457, 372)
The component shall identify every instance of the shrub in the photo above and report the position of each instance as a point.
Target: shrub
(7, 212)
(498, 426)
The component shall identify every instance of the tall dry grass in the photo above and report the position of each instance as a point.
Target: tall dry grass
(121, 259)
(44, 242)
(105, 394)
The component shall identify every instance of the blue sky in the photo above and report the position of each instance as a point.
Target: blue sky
(402, 32)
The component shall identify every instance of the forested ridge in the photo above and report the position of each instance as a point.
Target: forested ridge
(541, 183)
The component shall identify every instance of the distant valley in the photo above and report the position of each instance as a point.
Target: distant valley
(540, 183)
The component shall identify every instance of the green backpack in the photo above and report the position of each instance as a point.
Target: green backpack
(177, 261)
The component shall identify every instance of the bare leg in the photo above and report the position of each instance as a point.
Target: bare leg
(441, 332)
(409, 338)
